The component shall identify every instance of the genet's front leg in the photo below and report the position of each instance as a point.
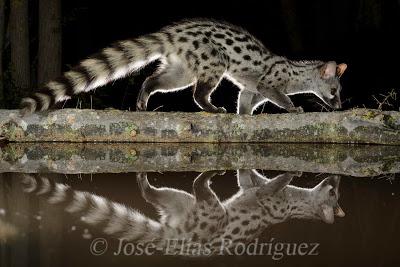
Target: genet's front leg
(278, 98)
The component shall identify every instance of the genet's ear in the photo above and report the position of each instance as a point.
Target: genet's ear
(331, 181)
(328, 70)
(276, 184)
(340, 69)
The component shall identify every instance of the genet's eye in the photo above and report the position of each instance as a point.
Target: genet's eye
(333, 91)
(332, 192)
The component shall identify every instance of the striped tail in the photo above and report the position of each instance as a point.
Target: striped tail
(115, 219)
(110, 64)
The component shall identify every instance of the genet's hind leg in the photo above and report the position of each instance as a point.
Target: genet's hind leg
(206, 84)
(167, 199)
(250, 178)
(208, 204)
(248, 101)
(201, 186)
(170, 78)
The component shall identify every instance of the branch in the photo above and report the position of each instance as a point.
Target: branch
(75, 125)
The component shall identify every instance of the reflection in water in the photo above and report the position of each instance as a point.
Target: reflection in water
(198, 223)
(7, 231)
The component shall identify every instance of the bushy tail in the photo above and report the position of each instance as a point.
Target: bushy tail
(111, 63)
(115, 219)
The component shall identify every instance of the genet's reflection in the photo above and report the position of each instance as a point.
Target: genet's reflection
(199, 220)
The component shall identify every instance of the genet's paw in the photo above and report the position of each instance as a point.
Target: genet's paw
(221, 172)
(141, 176)
(296, 110)
(141, 106)
(221, 110)
(296, 174)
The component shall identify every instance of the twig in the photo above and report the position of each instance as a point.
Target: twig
(157, 108)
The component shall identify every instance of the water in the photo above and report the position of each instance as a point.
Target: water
(57, 215)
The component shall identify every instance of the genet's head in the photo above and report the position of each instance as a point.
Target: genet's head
(327, 83)
(325, 199)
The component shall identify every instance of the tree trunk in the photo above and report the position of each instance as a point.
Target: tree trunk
(2, 38)
(19, 41)
(49, 65)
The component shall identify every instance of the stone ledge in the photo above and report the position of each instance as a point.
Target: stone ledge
(77, 125)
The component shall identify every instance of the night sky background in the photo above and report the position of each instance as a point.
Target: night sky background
(363, 34)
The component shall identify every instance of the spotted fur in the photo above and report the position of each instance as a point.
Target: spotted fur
(200, 218)
(198, 53)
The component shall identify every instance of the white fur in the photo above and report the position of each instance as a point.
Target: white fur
(59, 194)
(78, 203)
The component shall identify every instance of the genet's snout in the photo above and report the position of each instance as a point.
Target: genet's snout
(337, 105)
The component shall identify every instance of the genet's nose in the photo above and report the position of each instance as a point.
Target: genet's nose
(338, 105)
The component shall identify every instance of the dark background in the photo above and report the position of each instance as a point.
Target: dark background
(362, 33)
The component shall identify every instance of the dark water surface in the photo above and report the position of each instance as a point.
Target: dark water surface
(65, 214)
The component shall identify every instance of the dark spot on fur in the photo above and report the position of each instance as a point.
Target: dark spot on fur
(195, 237)
(219, 35)
(235, 218)
(237, 49)
(242, 39)
(190, 33)
(235, 231)
(203, 225)
(182, 39)
(244, 223)
(229, 41)
(196, 44)
(246, 57)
